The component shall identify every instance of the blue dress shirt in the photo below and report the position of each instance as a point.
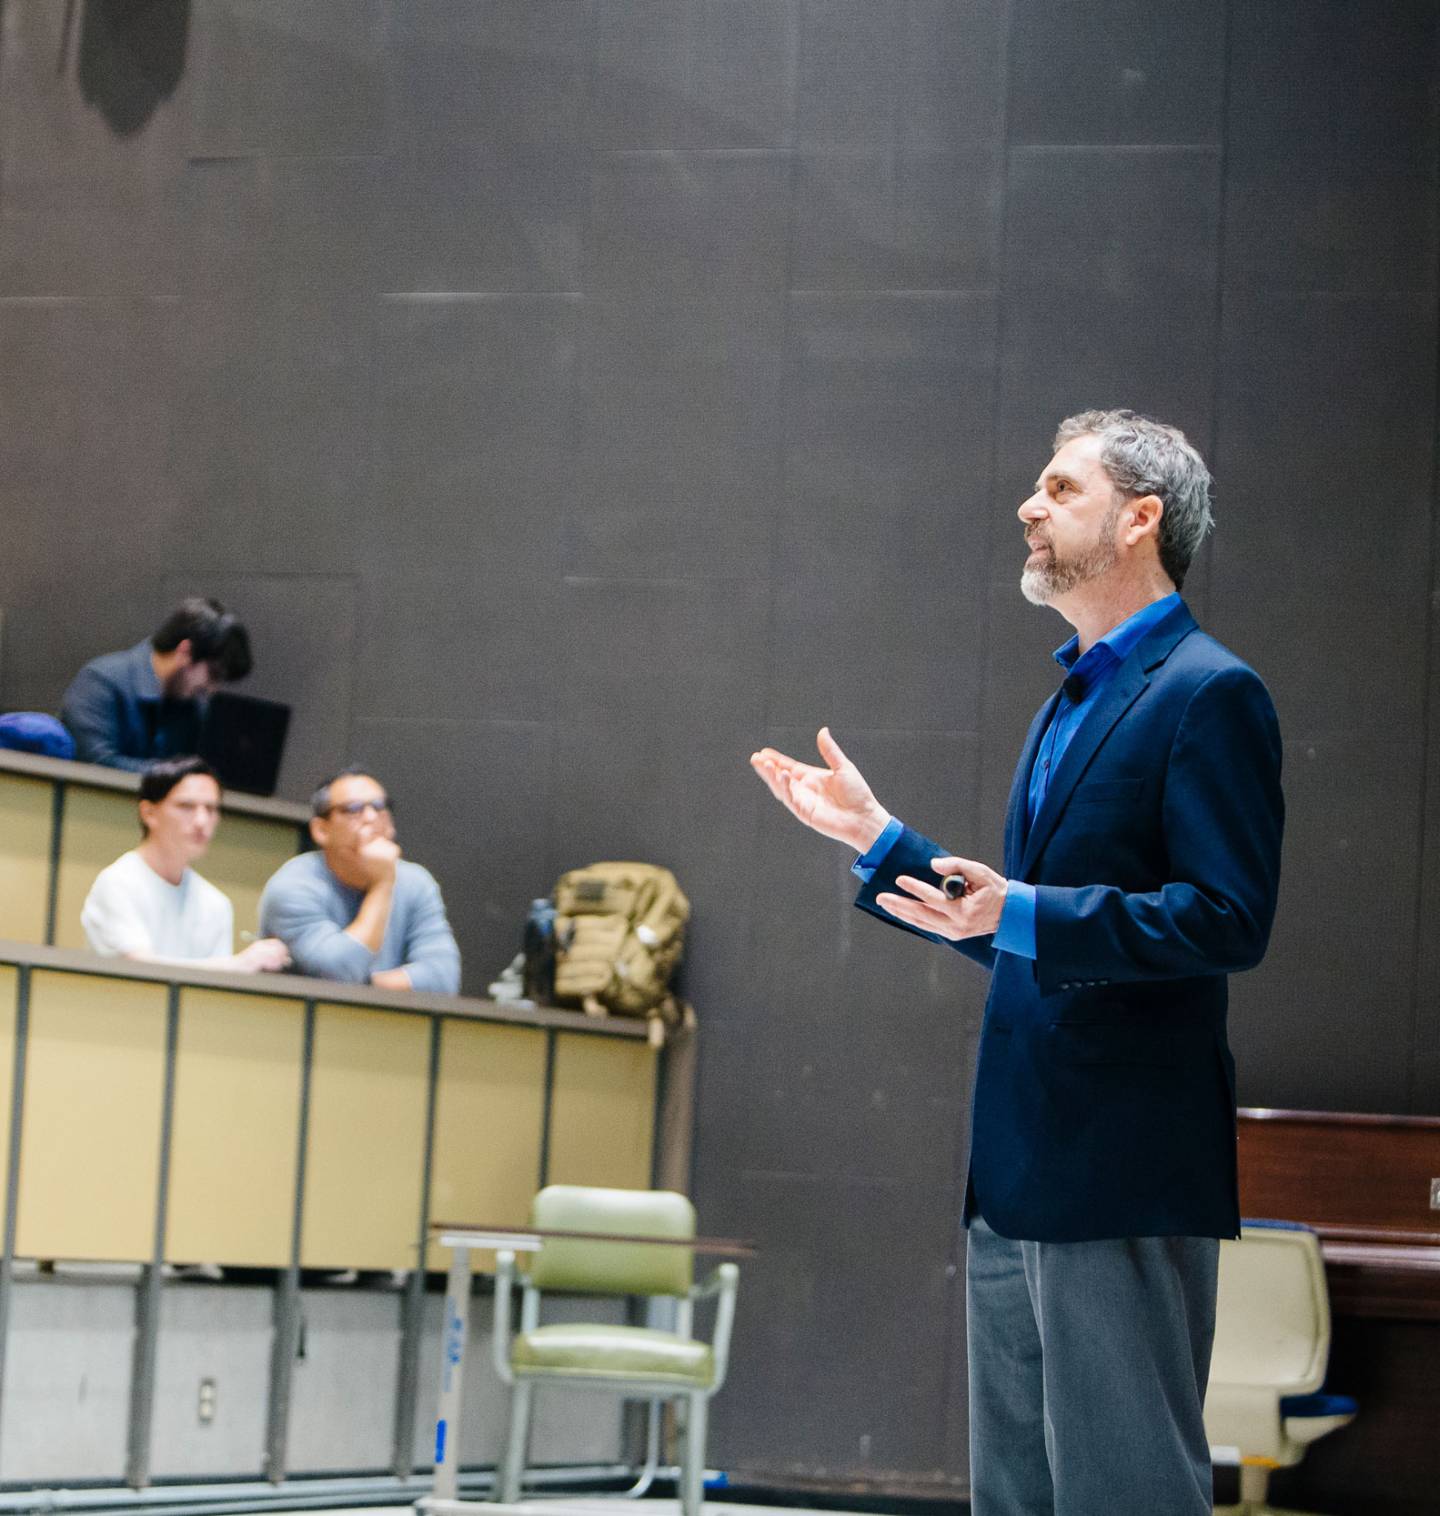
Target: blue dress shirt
(1086, 675)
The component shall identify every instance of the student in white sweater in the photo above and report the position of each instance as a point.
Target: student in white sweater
(150, 904)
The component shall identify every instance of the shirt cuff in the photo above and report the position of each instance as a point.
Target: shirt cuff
(1016, 932)
(866, 864)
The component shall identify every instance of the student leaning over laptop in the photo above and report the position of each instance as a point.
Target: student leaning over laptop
(126, 709)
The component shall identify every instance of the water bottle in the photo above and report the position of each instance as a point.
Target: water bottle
(540, 952)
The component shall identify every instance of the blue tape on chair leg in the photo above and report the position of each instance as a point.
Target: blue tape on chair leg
(439, 1443)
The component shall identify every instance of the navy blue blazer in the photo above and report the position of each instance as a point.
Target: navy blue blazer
(1104, 1101)
(119, 716)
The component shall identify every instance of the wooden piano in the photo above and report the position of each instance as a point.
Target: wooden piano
(1367, 1185)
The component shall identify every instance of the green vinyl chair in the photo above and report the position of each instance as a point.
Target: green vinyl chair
(635, 1361)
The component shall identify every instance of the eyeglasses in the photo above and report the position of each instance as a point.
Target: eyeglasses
(381, 807)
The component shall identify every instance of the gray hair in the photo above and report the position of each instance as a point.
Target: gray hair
(1145, 457)
(320, 800)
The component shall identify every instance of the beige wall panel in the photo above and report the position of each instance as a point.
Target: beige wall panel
(602, 1118)
(98, 826)
(244, 854)
(366, 1151)
(237, 1124)
(90, 1145)
(489, 1110)
(26, 808)
(9, 989)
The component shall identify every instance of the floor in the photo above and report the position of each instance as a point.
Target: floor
(585, 1505)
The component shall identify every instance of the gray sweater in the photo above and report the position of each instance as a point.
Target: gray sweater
(308, 908)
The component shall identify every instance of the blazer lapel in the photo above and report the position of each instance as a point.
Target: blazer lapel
(1018, 810)
(1120, 693)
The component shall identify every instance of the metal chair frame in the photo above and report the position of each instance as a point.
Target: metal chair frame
(692, 1405)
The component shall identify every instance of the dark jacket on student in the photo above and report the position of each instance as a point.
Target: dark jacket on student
(120, 717)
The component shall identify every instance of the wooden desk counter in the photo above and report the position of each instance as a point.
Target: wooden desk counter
(152, 1115)
(255, 1118)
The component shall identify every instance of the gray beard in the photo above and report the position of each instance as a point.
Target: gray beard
(1053, 576)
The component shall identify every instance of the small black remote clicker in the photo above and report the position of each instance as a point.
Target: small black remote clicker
(953, 886)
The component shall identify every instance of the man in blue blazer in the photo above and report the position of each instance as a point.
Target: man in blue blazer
(1142, 857)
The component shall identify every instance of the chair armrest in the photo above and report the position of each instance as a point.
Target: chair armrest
(723, 1283)
(500, 1336)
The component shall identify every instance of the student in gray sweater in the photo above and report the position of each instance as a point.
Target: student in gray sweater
(356, 911)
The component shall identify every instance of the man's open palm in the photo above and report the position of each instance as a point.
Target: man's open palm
(834, 801)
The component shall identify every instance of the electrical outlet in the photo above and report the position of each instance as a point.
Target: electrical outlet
(1435, 1194)
(205, 1409)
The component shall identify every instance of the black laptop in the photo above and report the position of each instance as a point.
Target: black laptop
(243, 740)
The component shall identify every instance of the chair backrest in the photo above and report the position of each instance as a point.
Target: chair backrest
(612, 1268)
(1272, 1320)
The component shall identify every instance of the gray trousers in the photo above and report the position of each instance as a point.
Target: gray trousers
(1088, 1365)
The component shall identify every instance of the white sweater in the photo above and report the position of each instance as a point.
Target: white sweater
(131, 910)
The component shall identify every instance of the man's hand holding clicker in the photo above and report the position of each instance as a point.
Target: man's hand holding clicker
(973, 914)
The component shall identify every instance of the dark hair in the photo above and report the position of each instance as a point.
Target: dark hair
(215, 637)
(159, 778)
(320, 800)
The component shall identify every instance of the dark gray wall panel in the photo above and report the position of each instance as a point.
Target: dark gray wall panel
(82, 212)
(887, 220)
(952, 75)
(503, 71)
(451, 641)
(886, 398)
(471, 217)
(476, 435)
(328, 217)
(667, 223)
(1326, 403)
(1332, 186)
(218, 448)
(278, 77)
(317, 469)
(866, 1367)
(709, 661)
(1112, 258)
(1129, 222)
(924, 75)
(679, 437)
(869, 629)
(1117, 71)
(850, 73)
(694, 73)
(1326, 1022)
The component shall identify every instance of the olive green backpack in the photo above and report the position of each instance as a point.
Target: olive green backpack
(619, 932)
